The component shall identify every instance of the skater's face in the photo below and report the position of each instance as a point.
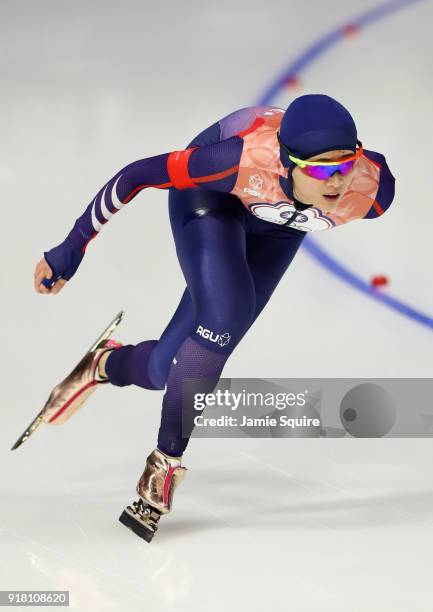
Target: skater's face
(312, 191)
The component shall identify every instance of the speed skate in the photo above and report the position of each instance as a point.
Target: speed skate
(70, 394)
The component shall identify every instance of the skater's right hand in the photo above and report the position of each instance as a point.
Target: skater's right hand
(43, 271)
(56, 267)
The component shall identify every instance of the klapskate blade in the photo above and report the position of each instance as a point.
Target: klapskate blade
(109, 330)
(39, 419)
(28, 432)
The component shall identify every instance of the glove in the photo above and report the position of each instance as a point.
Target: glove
(63, 260)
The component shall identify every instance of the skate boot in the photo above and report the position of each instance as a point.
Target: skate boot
(156, 486)
(71, 393)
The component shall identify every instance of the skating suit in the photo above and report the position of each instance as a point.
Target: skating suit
(236, 232)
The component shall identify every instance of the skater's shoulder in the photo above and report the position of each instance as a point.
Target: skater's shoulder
(248, 118)
(238, 122)
(377, 158)
(385, 193)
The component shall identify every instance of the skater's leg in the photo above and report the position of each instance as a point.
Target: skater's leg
(230, 279)
(210, 242)
(270, 251)
(147, 364)
(195, 369)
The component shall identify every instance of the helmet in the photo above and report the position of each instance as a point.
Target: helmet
(313, 124)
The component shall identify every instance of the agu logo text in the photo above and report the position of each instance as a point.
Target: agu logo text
(221, 339)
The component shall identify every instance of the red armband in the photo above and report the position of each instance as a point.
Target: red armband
(177, 168)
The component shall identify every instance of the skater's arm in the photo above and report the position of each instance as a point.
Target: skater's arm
(114, 195)
(212, 167)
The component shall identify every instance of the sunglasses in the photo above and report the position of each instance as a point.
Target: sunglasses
(324, 170)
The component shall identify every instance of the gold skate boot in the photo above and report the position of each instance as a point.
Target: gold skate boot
(71, 393)
(156, 486)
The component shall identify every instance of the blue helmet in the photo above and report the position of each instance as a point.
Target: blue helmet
(313, 124)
